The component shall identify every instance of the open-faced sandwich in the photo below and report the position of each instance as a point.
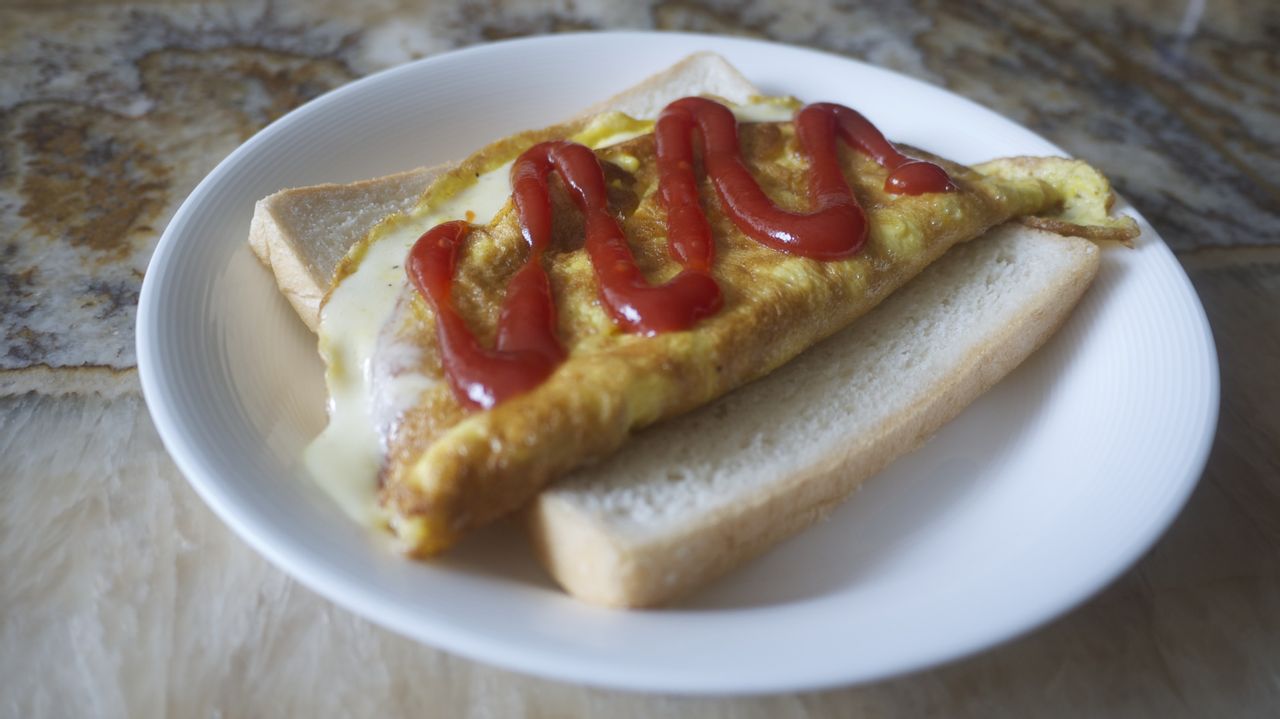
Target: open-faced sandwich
(592, 323)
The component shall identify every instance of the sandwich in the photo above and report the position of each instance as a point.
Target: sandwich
(511, 332)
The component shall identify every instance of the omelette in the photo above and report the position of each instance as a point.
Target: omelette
(446, 462)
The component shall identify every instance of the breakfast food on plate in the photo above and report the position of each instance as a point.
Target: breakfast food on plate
(561, 289)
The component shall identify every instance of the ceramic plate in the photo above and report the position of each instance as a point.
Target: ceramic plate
(1036, 497)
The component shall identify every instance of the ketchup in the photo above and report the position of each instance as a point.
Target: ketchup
(907, 176)
(527, 350)
(627, 295)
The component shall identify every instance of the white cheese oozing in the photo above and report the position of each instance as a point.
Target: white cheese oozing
(347, 455)
(366, 396)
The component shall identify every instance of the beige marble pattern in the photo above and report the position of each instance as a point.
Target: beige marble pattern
(122, 595)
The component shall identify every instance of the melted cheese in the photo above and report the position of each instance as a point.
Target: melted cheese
(346, 457)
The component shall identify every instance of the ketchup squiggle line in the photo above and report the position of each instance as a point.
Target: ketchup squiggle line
(526, 350)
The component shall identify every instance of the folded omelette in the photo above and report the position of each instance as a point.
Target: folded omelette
(446, 463)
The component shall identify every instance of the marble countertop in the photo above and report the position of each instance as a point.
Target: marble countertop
(110, 113)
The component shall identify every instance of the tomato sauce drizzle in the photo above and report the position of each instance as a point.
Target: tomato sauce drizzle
(526, 349)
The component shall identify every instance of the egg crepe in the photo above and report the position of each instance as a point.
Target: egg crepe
(449, 467)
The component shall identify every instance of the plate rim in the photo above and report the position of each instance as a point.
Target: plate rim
(327, 580)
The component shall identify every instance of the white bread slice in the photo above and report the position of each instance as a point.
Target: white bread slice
(302, 233)
(686, 501)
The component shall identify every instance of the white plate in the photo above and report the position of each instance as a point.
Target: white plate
(1035, 498)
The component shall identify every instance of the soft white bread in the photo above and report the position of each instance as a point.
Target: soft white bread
(689, 500)
(302, 233)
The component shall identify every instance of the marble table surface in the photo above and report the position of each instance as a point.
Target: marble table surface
(122, 595)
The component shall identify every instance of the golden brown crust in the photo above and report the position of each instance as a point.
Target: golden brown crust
(1122, 235)
(1085, 203)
